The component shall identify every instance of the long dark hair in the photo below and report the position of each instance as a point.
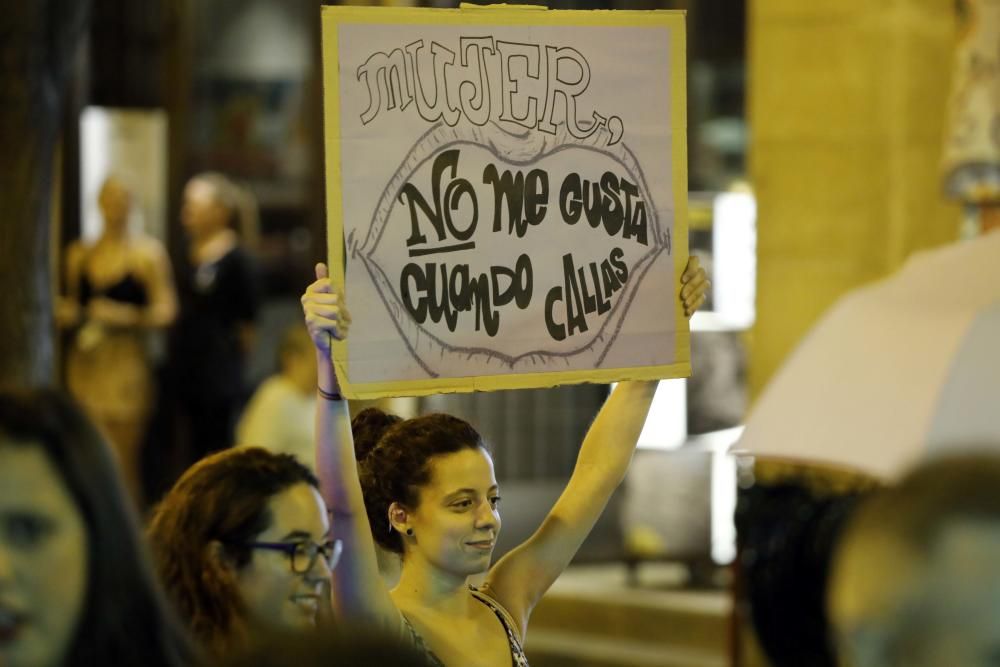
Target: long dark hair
(223, 498)
(125, 619)
(787, 529)
(393, 457)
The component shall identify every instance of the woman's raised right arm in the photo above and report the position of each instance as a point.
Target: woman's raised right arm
(359, 593)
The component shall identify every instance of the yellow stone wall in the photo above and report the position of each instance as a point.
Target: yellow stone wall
(847, 110)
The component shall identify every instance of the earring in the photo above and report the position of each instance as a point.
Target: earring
(409, 531)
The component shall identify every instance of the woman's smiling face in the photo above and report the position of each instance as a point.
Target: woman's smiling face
(275, 595)
(43, 559)
(457, 518)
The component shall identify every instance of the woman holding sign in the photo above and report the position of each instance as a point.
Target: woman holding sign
(425, 488)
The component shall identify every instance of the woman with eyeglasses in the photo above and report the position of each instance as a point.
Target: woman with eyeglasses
(76, 584)
(425, 489)
(242, 542)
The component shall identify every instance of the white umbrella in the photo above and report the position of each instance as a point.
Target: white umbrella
(895, 371)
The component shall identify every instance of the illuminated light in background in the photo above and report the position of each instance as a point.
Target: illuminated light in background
(723, 495)
(94, 167)
(734, 262)
(132, 145)
(666, 425)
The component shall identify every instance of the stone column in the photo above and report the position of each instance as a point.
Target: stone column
(847, 103)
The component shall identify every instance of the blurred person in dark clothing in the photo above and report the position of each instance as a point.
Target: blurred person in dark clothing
(788, 524)
(76, 587)
(242, 543)
(214, 332)
(916, 578)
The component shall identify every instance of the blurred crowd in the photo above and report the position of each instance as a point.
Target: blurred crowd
(163, 413)
(235, 565)
(254, 555)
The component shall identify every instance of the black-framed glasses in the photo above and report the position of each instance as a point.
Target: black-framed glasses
(302, 555)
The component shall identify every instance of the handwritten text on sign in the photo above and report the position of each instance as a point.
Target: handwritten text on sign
(476, 224)
(519, 201)
(507, 196)
(543, 81)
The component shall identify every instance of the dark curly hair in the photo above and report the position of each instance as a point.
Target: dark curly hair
(393, 460)
(126, 619)
(222, 498)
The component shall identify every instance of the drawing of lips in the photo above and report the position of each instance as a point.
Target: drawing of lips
(523, 345)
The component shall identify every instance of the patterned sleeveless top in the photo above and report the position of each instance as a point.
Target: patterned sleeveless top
(518, 659)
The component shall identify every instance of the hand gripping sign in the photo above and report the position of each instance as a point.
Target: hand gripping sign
(506, 192)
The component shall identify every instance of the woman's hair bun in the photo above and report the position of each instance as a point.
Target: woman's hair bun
(368, 426)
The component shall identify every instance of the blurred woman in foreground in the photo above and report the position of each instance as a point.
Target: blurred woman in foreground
(76, 587)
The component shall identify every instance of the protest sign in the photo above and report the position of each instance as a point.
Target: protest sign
(506, 196)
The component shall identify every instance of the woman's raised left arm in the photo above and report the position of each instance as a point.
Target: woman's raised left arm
(521, 577)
